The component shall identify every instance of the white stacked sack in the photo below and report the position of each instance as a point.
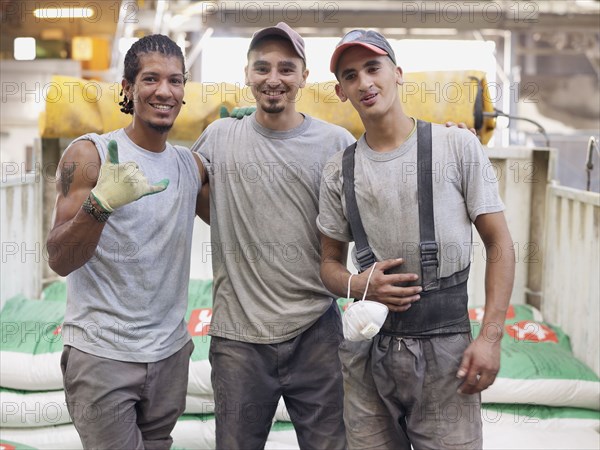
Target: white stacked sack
(33, 406)
(543, 397)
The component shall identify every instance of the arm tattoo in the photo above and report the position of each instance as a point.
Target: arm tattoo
(66, 177)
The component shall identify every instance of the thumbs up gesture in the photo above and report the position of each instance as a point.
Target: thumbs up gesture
(122, 183)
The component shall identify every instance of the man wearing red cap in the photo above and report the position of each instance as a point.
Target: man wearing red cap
(417, 382)
(275, 328)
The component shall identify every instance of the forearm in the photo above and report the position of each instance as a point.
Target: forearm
(380, 287)
(481, 360)
(335, 277)
(72, 244)
(499, 278)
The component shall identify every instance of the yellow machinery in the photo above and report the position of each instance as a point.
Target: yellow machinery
(76, 106)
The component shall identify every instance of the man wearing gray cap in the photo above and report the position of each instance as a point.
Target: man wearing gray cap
(275, 328)
(411, 379)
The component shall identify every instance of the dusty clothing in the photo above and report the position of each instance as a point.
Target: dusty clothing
(264, 198)
(128, 302)
(118, 404)
(464, 186)
(268, 299)
(403, 391)
(248, 380)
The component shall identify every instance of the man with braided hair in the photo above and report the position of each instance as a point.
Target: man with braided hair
(126, 255)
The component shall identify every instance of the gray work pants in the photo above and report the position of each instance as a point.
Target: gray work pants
(400, 392)
(125, 405)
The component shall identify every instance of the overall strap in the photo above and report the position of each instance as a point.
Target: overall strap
(428, 245)
(364, 254)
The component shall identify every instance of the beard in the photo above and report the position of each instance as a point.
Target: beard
(273, 108)
(160, 128)
(267, 105)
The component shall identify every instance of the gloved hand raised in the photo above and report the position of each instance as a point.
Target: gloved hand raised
(238, 112)
(122, 183)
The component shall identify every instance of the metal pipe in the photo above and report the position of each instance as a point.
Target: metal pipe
(541, 129)
(589, 164)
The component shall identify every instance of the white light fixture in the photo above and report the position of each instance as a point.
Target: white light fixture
(63, 13)
(24, 49)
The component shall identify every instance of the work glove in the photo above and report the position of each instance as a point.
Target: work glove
(238, 112)
(122, 183)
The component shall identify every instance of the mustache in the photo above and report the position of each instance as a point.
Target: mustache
(264, 86)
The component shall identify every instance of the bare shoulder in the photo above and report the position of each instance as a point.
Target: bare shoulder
(79, 166)
(82, 151)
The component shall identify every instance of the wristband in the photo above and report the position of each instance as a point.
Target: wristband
(99, 215)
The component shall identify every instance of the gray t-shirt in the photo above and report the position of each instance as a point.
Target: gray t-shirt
(464, 186)
(265, 246)
(128, 302)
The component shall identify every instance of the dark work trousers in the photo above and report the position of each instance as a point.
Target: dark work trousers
(249, 379)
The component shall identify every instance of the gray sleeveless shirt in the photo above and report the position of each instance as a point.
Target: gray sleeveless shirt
(129, 300)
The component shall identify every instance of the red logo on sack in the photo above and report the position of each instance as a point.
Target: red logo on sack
(510, 312)
(56, 332)
(4, 446)
(199, 323)
(527, 330)
(476, 314)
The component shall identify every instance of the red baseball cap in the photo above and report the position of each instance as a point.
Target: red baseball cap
(370, 39)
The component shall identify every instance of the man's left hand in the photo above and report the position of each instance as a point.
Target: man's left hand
(239, 112)
(461, 125)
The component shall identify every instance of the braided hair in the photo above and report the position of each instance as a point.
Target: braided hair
(148, 44)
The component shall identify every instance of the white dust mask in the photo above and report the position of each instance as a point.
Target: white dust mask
(363, 319)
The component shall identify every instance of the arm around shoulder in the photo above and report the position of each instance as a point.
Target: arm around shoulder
(203, 198)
